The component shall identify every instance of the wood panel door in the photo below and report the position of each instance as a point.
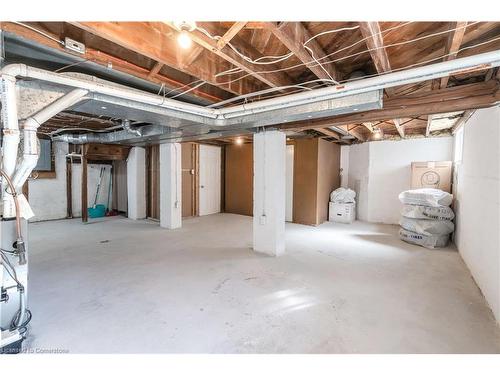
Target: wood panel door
(210, 180)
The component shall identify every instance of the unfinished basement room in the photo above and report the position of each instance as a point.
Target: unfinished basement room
(240, 187)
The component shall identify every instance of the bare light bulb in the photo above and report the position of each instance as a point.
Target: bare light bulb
(239, 141)
(184, 40)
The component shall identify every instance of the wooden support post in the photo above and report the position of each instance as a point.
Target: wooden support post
(69, 188)
(85, 215)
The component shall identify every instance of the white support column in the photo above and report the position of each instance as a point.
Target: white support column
(170, 186)
(269, 165)
(136, 183)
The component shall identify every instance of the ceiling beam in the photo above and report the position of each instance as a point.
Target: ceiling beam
(453, 44)
(328, 132)
(103, 59)
(354, 131)
(293, 35)
(230, 34)
(458, 98)
(144, 39)
(276, 79)
(465, 117)
(375, 42)
(154, 71)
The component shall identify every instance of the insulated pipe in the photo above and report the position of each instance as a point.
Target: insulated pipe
(443, 69)
(30, 126)
(10, 138)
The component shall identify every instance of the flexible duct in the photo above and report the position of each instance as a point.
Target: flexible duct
(128, 127)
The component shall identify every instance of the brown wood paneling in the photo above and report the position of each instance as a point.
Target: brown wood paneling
(189, 170)
(239, 179)
(305, 169)
(120, 199)
(153, 181)
(328, 176)
(69, 188)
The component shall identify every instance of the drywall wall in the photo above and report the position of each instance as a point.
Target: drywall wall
(344, 165)
(390, 172)
(305, 182)
(358, 172)
(238, 179)
(477, 202)
(328, 175)
(379, 171)
(47, 196)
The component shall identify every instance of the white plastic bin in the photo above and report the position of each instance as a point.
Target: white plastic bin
(342, 212)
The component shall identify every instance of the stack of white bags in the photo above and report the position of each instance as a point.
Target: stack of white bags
(426, 218)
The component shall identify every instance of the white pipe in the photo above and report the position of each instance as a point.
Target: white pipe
(30, 126)
(443, 69)
(10, 138)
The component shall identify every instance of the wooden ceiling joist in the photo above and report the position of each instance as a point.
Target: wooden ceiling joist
(230, 34)
(372, 33)
(354, 131)
(146, 40)
(293, 35)
(453, 44)
(104, 59)
(276, 79)
(156, 68)
(328, 132)
(451, 99)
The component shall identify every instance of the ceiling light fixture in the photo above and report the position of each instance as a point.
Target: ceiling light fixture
(377, 134)
(238, 141)
(183, 38)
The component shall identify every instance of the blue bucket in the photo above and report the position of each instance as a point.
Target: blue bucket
(99, 210)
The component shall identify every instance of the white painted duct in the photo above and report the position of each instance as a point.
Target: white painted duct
(30, 126)
(10, 137)
(220, 116)
(429, 72)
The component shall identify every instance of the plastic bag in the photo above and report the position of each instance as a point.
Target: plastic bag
(425, 212)
(427, 227)
(429, 242)
(426, 197)
(342, 195)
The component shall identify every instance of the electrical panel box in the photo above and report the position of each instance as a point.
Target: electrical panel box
(431, 174)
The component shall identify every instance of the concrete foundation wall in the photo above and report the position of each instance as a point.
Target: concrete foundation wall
(390, 172)
(47, 196)
(379, 171)
(477, 203)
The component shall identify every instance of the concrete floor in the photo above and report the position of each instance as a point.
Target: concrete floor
(123, 286)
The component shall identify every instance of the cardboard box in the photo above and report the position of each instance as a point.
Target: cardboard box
(342, 212)
(431, 174)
